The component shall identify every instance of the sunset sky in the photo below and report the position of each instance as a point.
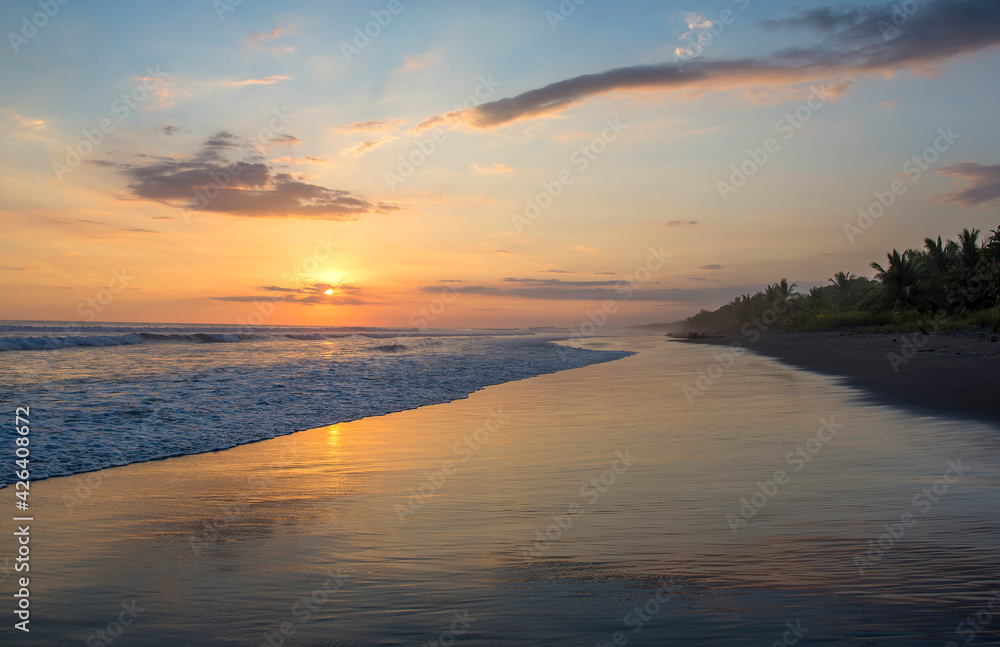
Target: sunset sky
(250, 151)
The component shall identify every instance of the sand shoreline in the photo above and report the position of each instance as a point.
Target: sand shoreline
(950, 374)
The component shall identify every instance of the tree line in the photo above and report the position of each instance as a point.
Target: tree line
(954, 280)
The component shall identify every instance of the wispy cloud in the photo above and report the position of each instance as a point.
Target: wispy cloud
(285, 159)
(267, 80)
(260, 41)
(495, 169)
(368, 126)
(418, 62)
(170, 87)
(26, 122)
(362, 148)
(672, 224)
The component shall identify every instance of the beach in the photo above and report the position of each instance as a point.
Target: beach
(945, 373)
(568, 508)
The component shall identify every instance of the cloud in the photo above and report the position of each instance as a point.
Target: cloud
(695, 23)
(310, 295)
(575, 291)
(829, 20)
(286, 139)
(26, 122)
(672, 224)
(889, 105)
(258, 41)
(419, 62)
(286, 159)
(267, 80)
(368, 126)
(851, 43)
(362, 148)
(496, 168)
(710, 267)
(982, 183)
(560, 282)
(212, 181)
(169, 129)
(169, 88)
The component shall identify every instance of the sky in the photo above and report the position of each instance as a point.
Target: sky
(478, 164)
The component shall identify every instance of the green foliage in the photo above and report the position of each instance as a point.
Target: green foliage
(952, 283)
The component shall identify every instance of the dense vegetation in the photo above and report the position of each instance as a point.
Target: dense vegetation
(953, 284)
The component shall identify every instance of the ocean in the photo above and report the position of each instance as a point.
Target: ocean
(114, 394)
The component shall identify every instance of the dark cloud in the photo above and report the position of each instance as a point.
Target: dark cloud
(309, 295)
(169, 130)
(982, 183)
(223, 176)
(90, 225)
(285, 139)
(585, 284)
(828, 20)
(853, 42)
(578, 291)
(710, 267)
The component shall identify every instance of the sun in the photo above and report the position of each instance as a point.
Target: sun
(328, 291)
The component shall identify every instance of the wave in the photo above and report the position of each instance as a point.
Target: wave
(81, 339)
(391, 348)
(54, 342)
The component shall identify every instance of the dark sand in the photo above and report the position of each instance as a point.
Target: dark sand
(950, 374)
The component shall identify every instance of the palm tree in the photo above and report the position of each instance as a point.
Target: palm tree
(843, 282)
(969, 250)
(902, 283)
(937, 254)
(785, 291)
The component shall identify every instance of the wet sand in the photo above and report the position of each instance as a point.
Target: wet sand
(950, 374)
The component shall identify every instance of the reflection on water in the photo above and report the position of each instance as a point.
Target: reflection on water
(529, 530)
